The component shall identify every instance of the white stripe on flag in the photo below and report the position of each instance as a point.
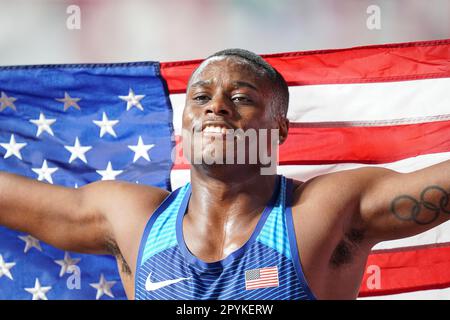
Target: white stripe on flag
(438, 294)
(369, 101)
(305, 172)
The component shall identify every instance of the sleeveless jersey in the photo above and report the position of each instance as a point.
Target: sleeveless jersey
(266, 267)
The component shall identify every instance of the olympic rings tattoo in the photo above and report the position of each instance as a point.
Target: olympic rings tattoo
(416, 213)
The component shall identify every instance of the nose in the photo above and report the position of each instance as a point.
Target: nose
(218, 106)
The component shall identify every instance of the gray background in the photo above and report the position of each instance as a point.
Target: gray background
(35, 32)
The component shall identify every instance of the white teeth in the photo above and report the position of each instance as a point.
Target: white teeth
(214, 129)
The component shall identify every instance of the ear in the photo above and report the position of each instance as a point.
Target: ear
(283, 125)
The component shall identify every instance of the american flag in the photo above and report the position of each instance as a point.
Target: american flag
(383, 105)
(261, 278)
(72, 125)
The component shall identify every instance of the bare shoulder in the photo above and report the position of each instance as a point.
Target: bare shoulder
(118, 194)
(127, 207)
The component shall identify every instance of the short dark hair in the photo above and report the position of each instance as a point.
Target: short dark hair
(280, 102)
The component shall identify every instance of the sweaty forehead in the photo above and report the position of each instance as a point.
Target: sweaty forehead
(228, 70)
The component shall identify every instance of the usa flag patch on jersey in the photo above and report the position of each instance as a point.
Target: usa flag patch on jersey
(261, 278)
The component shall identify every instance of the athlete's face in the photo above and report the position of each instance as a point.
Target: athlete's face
(225, 93)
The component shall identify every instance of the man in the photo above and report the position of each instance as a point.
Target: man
(233, 232)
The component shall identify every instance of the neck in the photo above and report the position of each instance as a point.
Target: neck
(224, 208)
(226, 191)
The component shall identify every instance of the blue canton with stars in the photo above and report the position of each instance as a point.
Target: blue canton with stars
(72, 125)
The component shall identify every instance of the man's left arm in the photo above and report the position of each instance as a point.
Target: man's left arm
(395, 205)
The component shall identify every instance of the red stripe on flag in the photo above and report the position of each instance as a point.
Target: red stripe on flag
(379, 63)
(408, 270)
(371, 145)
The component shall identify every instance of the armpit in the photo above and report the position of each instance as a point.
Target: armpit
(346, 248)
(114, 250)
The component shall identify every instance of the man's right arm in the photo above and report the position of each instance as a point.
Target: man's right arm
(84, 220)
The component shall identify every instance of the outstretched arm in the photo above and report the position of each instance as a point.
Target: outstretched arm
(395, 205)
(57, 215)
(93, 219)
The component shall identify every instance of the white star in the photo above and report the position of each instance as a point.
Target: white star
(109, 173)
(30, 242)
(45, 173)
(13, 148)
(133, 100)
(106, 125)
(66, 264)
(69, 101)
(4, 268)
(6, 102)
(38, 292)
(141, 150)
(78, 151)
(43, 124)
(103, 287)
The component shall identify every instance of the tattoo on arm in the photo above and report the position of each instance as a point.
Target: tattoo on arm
(433, 201)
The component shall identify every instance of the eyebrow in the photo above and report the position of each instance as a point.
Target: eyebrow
(245, 84)
(205, 83)
(201, 83)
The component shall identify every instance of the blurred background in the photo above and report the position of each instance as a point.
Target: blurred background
(36, 32)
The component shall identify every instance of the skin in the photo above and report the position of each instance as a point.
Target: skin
(338, 217)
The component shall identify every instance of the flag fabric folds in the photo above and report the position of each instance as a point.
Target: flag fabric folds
(71, 125)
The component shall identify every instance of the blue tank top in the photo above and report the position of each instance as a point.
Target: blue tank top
(266, 267)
